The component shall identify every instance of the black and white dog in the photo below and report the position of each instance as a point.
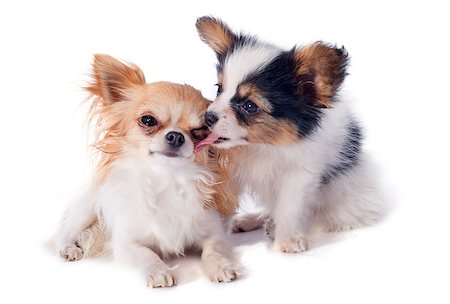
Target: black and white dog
(289, 139)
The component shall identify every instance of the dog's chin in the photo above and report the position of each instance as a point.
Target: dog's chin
(169, 155)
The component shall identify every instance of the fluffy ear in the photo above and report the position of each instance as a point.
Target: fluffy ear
(112, 78)
(216, 34)
(320, 71)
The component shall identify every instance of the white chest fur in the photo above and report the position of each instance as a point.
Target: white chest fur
(159, 205)
(267, 169)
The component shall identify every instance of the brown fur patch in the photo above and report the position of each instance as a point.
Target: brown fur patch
(263, 127)
(215, 34)
(269, 130)
(111, 78)
(224, 161)
(324, 68)
(223, 198)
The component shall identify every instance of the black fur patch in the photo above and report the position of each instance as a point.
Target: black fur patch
(278, 83)
(348, 154)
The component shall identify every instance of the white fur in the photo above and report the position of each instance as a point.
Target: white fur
(152, 208)
(246, 60)
(286, 180)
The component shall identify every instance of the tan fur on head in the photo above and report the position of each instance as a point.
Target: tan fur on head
(321, 69)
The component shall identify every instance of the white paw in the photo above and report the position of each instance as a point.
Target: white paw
(292, 244)
(71, 253)
(162, 278)
(246, 223)
(223, 271)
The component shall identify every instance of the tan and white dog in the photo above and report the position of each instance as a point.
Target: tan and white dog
(151, 196)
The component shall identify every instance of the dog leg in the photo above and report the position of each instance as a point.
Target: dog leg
(291, 214)
(81, 215)
(217, 262)
(158, 273)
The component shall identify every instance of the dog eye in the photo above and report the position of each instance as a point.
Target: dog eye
(148, 121)
(250, 107)
(200, 133)
(219, 89)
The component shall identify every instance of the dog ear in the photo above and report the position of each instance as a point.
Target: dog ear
(320, 71)
(216, 34)
(111, 78)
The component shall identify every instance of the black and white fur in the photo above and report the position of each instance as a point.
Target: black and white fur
(321, 174)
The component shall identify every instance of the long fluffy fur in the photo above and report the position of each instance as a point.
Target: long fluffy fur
(300, 152)
(145, 203)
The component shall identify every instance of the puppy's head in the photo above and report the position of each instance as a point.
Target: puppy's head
(161, 120)
(267, 95)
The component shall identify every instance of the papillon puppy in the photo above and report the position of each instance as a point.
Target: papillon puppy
(287, 136)
(151, 194)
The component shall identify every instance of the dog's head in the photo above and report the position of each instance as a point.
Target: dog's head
(265, 94)
(160, 120)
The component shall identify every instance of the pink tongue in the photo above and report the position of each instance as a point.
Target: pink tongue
(209, 140)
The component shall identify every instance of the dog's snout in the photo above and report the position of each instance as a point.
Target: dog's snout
(211, 118)
(175, 139)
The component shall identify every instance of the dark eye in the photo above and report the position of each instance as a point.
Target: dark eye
(250, 107)
(200, 133)
(148, 121)
(219, 89)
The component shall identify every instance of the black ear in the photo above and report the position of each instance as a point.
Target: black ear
(216, 34)
(320, 71)
(111, 78)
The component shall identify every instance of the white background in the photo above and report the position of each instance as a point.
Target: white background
(399, 81)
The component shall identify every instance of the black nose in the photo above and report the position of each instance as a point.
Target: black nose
(211, 118)
(175, 139)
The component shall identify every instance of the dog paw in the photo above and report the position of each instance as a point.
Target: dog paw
(246, 223)
(162, 278)
(269, 227)
(71, 253)
(293, 244)
(223, 271)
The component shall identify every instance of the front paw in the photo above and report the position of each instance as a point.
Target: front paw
(221, 271)
(161, 278)
(293, 244)
(71, 253)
